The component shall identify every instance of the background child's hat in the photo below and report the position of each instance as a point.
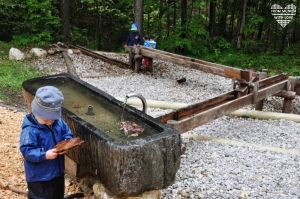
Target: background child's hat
(134, 26)
(47, 103)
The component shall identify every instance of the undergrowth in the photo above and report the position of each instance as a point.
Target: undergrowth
(288, 62)
(13, 73)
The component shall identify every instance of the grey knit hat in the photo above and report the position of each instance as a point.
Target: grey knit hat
(47, 103)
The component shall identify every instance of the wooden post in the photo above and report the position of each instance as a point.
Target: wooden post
(75, 170)
(287, 101)
(260, 104)
(297, 85)
(137, 58)
(243, 89)
(150, 64)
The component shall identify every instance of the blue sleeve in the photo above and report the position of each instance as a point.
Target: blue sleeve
(67, 133)
(29, 147)
(146, 43)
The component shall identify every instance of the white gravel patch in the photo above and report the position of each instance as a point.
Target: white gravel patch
(208, 169)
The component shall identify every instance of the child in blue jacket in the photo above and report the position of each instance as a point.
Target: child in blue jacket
(134, 37)
(41, 131)
(149, 43)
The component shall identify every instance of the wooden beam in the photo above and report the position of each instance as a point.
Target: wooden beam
(259, 105)
(227, 107)
(103, 58)
(204, 66)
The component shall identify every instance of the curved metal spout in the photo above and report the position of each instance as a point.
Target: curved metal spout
(140, 97)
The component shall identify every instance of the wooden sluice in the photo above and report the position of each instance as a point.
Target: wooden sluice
(248, 87)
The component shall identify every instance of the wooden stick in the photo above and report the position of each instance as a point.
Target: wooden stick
(13, 188)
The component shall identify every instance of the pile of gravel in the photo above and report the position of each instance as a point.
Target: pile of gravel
(230, 157)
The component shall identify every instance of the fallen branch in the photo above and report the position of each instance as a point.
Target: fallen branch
(13, 188)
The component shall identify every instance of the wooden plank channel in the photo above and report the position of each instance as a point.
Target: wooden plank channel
(102, 57)
(201, 65)
(193, 119)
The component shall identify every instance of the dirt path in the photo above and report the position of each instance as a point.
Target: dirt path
(12, 171)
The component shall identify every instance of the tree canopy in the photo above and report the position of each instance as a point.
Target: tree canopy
(193, 27)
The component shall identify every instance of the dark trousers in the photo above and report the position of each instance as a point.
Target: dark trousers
(52, 189)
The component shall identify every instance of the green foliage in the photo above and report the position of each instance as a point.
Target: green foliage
(10, 69)
(30, 21)
(257, 61)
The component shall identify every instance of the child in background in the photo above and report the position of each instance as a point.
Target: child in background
(41, 131)
(149, 43)
(134, 37)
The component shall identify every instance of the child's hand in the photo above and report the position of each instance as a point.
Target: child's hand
(63, 152)
(51, 154)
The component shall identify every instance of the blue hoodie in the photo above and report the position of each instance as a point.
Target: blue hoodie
(134, 38)
(35, 140)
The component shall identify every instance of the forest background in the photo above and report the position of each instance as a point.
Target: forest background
(237, 33)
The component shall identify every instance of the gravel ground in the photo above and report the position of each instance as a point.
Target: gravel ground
(230, 157)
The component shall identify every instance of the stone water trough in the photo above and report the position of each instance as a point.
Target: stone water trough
(126, 166)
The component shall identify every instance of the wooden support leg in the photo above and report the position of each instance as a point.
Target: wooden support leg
(74, 170)
(259, 104)
(137, 57)
(130, 55)
(297, 85)
(150, 64)
(287, 101)
(243, 89)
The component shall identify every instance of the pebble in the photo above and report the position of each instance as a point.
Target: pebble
(209, 169)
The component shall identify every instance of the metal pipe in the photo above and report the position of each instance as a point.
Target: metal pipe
(140, 97)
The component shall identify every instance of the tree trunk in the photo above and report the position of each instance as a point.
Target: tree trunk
(138, 14)
(283, 38)
(261, 24)
(296, 22)
(183, 17)
(64, 12)
(212, 15)
(239, 40)
(223, 18)
(232, 21)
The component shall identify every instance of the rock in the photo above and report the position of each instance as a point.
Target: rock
(38, 52)
(16, 54)
(86, 184)
(70, 51)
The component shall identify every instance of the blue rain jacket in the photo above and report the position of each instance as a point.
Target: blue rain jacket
(150, 43)
(134, 38)
(35, 140)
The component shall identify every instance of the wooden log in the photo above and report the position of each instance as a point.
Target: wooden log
(259, 105)
(103, 58)
(243, 89)
(287, 102)
(204, 66)
(193, 109)
(137, 58)
(69, 64)
(286, 94)
(150, 66)
(52, 51)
